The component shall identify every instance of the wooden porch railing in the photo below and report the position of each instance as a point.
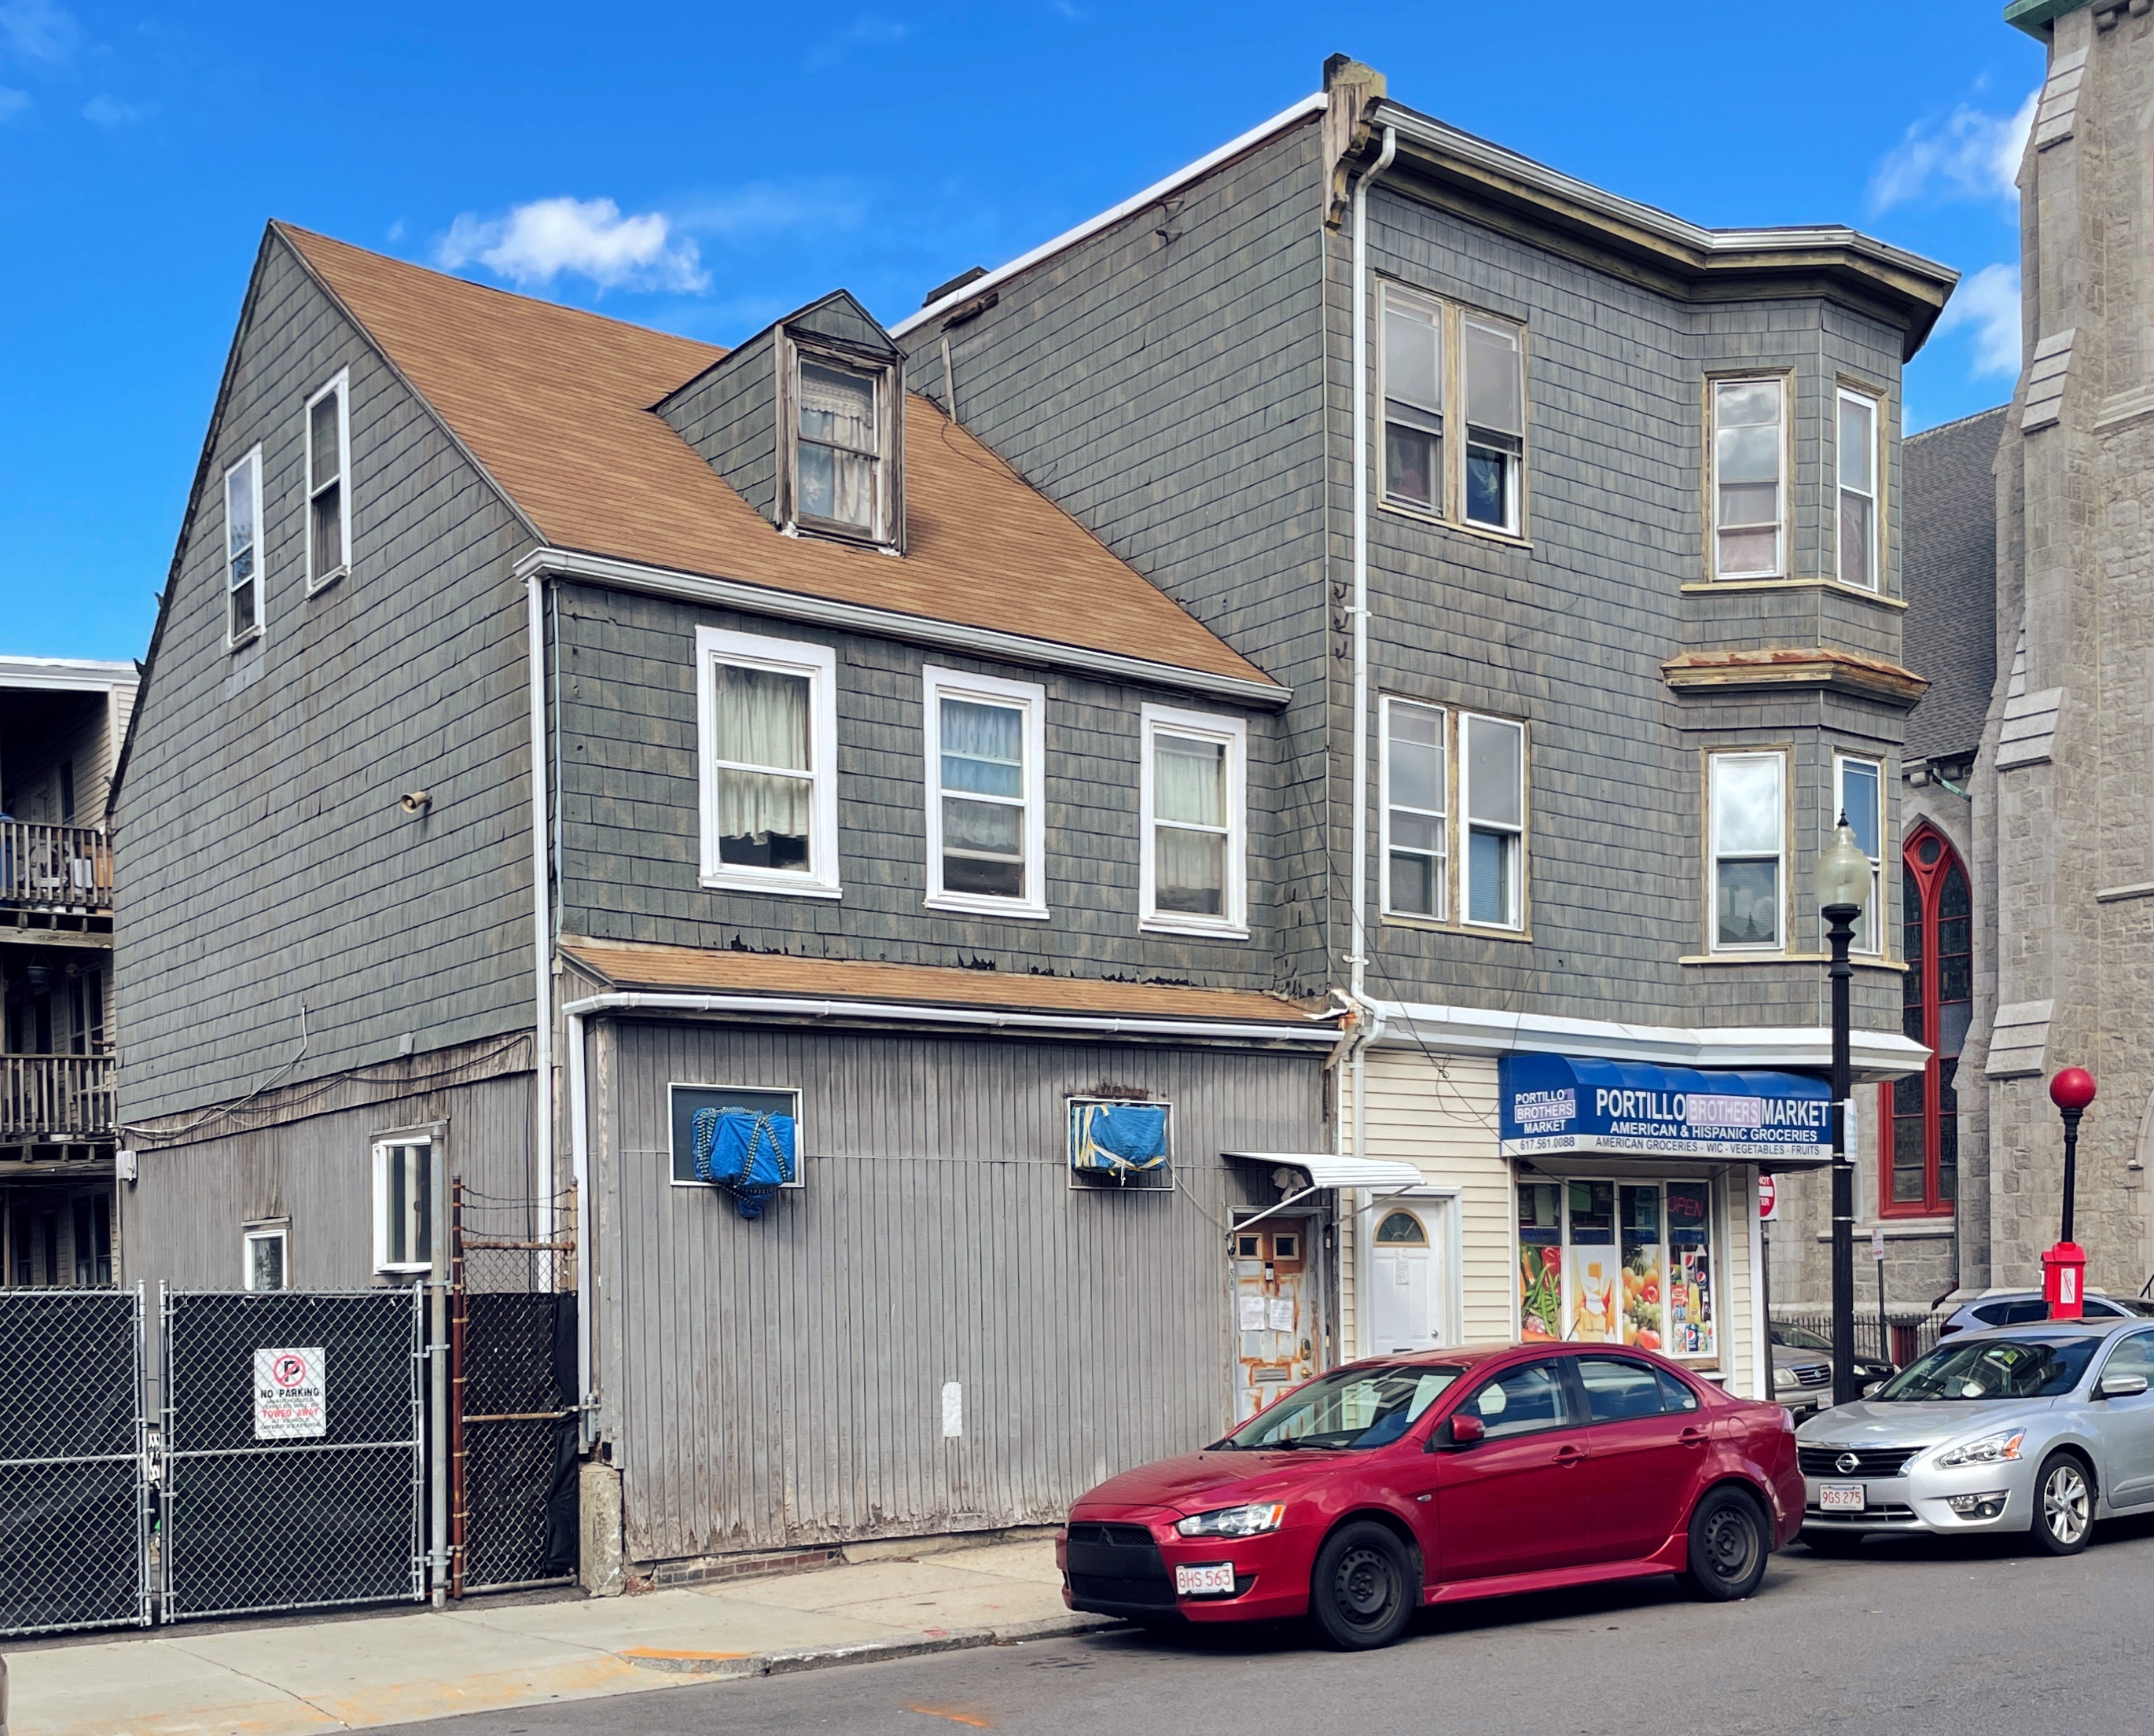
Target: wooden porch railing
(63, 867)
(55, 1097)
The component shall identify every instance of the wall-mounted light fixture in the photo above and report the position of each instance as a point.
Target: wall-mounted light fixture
(416, 801)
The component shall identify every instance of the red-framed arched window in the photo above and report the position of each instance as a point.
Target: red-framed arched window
(1920, 1114)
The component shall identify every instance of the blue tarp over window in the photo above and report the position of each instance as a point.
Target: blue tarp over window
(1553, 1104)
(748, 1154)
(1117, 1138)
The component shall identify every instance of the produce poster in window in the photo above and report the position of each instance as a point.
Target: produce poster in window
(1540, 1260)
(1643, 1272)
(1594, 1264)
(1688, 1310)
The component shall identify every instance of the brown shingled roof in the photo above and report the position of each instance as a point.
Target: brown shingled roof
(698, 970)
(555, 403)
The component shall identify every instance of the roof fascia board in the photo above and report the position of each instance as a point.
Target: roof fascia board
(891, 624)
(1878, 1055)
(64, 675)
(1306, 109)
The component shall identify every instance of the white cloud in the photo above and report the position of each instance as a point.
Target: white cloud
(537, 243)
(111, 113)
(763, 207)
(37, 30)
(1988, 304)
(1970, 154)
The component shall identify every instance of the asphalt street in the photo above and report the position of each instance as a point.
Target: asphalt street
(1910, 1637)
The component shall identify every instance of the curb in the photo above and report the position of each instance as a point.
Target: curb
(823, 1657)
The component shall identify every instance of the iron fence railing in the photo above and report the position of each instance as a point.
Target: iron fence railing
(55, 1096)
(54, 867)
(1908, 1332)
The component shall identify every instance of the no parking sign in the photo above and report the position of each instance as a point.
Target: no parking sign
(291, 1394)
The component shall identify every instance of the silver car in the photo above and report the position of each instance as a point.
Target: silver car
(2045, 1427)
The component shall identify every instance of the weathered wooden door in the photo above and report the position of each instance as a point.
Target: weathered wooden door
(1274, 1310)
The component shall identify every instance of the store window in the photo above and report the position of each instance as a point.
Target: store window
(1937, 1002)
(1619, 1262)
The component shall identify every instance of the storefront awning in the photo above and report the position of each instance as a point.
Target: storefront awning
(1566, 1106)
(1328, 1169)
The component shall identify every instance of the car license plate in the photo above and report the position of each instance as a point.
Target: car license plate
(1842, 1498)
(1207, 1580)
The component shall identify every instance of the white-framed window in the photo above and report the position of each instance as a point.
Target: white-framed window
(1859, 525)
(242, 549)
(1747, 800)
(987, 787)
(1492, 765)
(766, 730)
(840, 454)
(1416, 851)
(1410, 364)
(1859, 787)
(1749, 463)
(329, 481)
(1493, 359)
(404, 1204)
(1196, 817)
(265, 1254)
(684, 1101)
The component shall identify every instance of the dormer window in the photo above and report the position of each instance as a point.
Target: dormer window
(844, 430)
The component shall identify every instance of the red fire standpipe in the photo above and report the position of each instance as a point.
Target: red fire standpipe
(2064, 1267)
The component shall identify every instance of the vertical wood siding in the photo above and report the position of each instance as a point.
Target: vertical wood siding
(779, 1381)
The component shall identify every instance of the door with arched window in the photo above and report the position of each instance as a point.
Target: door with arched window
(1920, 1112)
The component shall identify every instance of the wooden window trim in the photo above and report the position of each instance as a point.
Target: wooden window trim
(1782, 566)
(1441, 916)
(1880, 903)
(888, 532)
(252, 463)
(1451, 319)
(1233, 923)
(1521, 875)
(790, 657)
(1875, 406)
(1779, 948)
(340, 383)
(937, 684)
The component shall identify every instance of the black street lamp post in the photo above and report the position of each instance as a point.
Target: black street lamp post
(1843, 881)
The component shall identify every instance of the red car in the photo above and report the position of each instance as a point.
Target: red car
(1449, 1474)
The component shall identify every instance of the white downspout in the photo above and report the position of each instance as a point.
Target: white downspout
(587, 1216)
(542, 927)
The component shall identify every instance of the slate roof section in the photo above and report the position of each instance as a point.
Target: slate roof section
(556, 404)
(1948, 573)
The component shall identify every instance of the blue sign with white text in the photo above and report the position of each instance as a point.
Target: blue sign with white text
(1553, 1104)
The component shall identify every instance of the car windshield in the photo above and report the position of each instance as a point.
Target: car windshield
(1349, 1408)
(1801, 1337)
(1992, 1368)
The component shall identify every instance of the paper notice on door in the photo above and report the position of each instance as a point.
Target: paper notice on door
(1253, 1313)
(1280, 1312)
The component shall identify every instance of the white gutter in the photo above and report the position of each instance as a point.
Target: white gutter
(893, 624)
(542, 927)
(1878, 1055)
(1158, 190)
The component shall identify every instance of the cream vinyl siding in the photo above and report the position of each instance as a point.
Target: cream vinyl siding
(1444, 1123)
(1736, 1192)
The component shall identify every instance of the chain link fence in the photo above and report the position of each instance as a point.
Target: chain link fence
(294, 1450)
(512, 1387)
(74, 1500)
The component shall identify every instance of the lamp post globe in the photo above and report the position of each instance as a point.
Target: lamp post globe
(1842, 881)
(1842, 878)
(2072, 1089)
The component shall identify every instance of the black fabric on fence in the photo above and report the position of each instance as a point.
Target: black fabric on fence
(67, 1374)
(519, 1473)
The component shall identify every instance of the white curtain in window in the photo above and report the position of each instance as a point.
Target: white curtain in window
(1189, 788)
(1189, 781)
(983, 747)
(837, 445)
(763, 720)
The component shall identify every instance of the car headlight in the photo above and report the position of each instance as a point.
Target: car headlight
(1234, 1521)
(1783, 1377)
(1996, 1449)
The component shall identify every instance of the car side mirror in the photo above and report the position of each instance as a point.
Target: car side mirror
(2123, 1386)
(1465, 1430)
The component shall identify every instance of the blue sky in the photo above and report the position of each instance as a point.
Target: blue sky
(703, 168)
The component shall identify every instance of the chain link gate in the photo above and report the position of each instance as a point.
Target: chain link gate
(74, 1498)
(325, 1508)
(512, 1411)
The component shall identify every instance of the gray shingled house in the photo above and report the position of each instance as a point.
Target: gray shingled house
(1213, 785)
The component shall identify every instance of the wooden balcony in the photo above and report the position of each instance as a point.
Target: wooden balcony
(60, 868)
(55, 1099)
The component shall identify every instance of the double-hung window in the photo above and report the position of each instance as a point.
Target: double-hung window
(1495, 422)
(1749, 460)
(1492, 792)
(1412, 368)
(1859, 789)
(1746, 823)
(841, 474)
(403, 1204)
(767, 727)
(1195, 823)
(329, 490)
(1858, 491)
(986, 794)
(1416, 847)
(242, 549)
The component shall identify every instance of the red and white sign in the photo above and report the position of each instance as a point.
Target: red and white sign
(1768, 1198)
(291, 1394)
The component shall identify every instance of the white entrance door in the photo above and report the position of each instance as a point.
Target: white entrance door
(1403, 1282)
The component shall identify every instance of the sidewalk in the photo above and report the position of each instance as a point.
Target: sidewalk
(386, 1669)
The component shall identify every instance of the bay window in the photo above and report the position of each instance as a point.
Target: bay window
(1749, 460)
(1194, 820)
(1858, 490)
(1492, 793)
(767, 729)
(1416, 853)
(242, 547)
(1747, 824)
(1859, 788)
(986, 794)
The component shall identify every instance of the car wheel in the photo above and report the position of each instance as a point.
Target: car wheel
(1363, 1592)
(1729, 1546)
(1819, 1542)
(2064, 1504)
